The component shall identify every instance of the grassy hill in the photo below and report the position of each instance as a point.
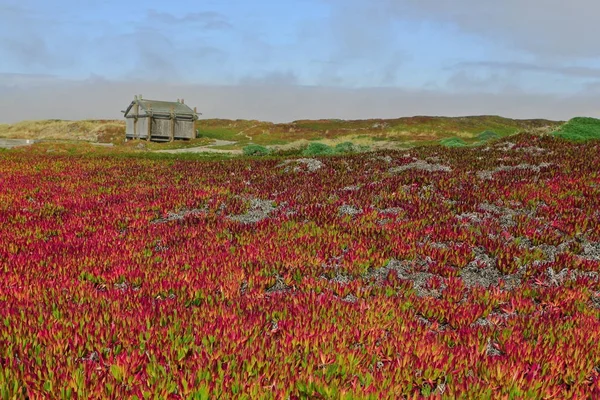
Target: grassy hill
(407, 130)
(86, 130)
(375, 133)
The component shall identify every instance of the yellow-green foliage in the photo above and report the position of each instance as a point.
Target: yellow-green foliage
(333, 131)
(87, 130)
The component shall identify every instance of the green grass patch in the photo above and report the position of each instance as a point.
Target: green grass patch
(218, 133)
(236, 146)
(318, 149)
(453, 142)
(267, 139)
(256, 150)
(580, 129)
(488, 135)
(349, 147)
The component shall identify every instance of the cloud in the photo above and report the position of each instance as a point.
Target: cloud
(552, 29)
(545, 28)
(30, 49)
(26, 80)
(466, 56)
(593, 87)
(208, 20)
(24, 39)
(153, 45)
(274, 78)
(511, 67)
(101, 98)
(467, 81)
(155, 54)
(360, 31)
(356, 43)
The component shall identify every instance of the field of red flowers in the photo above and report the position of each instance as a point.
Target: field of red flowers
(449, 273)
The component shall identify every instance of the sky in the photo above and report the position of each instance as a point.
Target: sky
(283, 60)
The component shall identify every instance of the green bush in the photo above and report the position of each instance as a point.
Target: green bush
(294, 151)
(580, 129)
(488, 135)
(453, 142)
(318, 149)
(345, 147)
(349, 147)
(255, 150)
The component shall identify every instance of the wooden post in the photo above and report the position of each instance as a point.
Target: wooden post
(195, 133)
(149, 114)
(172, 123)
(136, 110)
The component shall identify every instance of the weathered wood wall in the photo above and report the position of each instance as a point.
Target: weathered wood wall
(161, 129)
(137, 130)
(162, 126)
(185, 129)
(129, 126)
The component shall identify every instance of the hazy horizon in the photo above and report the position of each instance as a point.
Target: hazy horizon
(301, 59)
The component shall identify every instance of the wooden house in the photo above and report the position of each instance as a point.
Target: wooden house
(160, 121)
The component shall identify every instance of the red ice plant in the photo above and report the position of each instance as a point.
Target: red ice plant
(124, 278)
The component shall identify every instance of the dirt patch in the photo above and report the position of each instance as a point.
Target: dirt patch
(386, 159)
(352, 188)
(310, 164)
(559, 278)
(208, 148)
(471, 217)
(482, 271)
(492, 349)
(278, 287)
(421, 166)
(404, 270)
(474, 275)
(506, 146)
(591, 251)
(489, 174)
(504, 215)
(200, 149)
(349, 210)
(259, 210)
(10, 143)
(550, 251)
(177, 216)
(532, 149)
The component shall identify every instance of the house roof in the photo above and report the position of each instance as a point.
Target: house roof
(161, 107)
